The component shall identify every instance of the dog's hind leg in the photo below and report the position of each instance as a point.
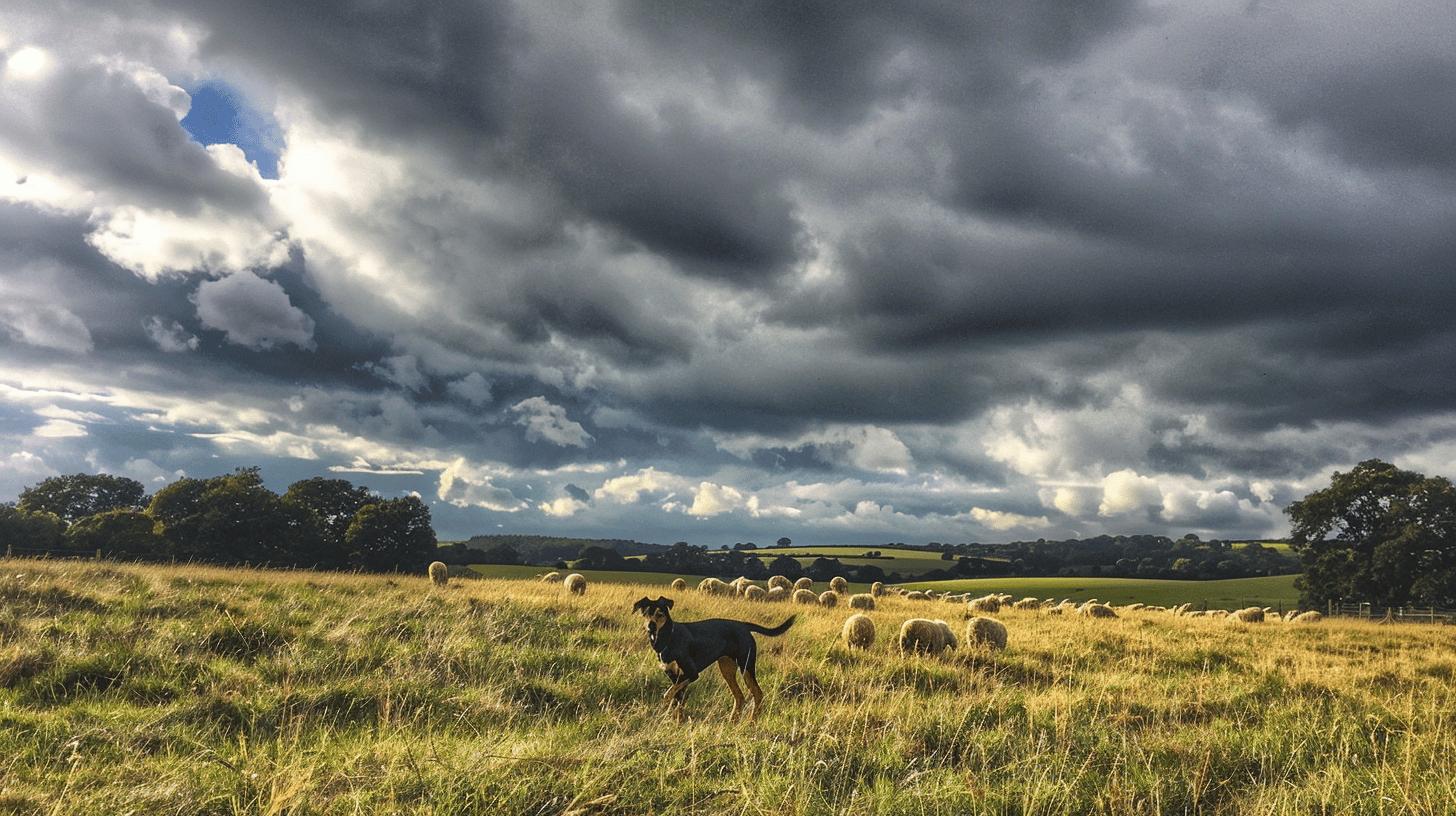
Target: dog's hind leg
(729, 669)
(755, 691)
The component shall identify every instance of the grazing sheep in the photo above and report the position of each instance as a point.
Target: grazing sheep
(805, 596)
(1312, 616)
(1182, 609)
(828, 599)
(778, 581)
(713, 586)
(1251, 614)
(1133, 607)
(916, 595)
(738, 584)
(1155, 609)
(858, 632)
(926, 636)
(1096, 610)
(777, 593)
(986, 632)
(985, 603)
(862, 601)
(679, 584)
(551, 577)
(1027, 603)
(804, 583)
(877, 588)
(439, 573)
(838, 585)
(576, 583)
(1290, 615)
(755, 593)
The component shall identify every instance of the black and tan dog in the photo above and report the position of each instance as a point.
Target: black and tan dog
(687, 649)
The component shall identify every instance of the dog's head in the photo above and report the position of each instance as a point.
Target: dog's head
(656, 612)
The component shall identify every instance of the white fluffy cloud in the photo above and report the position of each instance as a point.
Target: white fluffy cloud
(712, 499)
(168, 335)
(45, 325)
(543, 420)
(155, 242)
(252, 312)
(466, 486)
(563, 507)
(631, 488)
(1127, 492)
(1001, 520)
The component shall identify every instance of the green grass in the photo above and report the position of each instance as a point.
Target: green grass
(184, 690)
(1276, 590)
(604, 576)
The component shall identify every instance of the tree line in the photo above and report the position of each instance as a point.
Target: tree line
(229, 519)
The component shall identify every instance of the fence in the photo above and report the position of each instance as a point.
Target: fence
(1392, 614)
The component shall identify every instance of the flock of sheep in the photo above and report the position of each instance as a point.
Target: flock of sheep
(924, 635)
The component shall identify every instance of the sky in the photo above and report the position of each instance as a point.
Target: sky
(730, 271)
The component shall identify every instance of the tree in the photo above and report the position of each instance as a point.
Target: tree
(595, 557)
(80, 495)
(118, 533)
(501, 553)
(391, 534)
(1378, 534)
(334, 502)
(787, 566)
(235, 519)
(785, 541)
(30, 530)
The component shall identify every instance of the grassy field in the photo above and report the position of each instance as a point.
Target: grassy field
(603, 576)
(903, 561)
(187, 690)
(1235, 592)
(1276, 590)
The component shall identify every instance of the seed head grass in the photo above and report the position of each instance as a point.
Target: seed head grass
(182, 690)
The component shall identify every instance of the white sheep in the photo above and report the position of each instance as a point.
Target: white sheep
(986, 632)
(576, 583)
(858, 632)
(439, 573)
(926, 636)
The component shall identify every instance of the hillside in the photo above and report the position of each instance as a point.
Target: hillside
(183, 690)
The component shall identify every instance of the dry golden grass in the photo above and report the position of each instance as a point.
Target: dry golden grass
(182, 690)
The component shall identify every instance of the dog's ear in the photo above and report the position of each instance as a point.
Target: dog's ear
(642, 604)
(667, 602)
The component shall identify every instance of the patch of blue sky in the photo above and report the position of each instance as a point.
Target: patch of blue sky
(220, 114)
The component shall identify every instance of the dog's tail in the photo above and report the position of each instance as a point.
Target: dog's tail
(774, 632)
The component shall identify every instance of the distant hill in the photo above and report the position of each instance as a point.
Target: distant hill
(539, 549)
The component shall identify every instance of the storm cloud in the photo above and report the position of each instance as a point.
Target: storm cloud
(726, 271)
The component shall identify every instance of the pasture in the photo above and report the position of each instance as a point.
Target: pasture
(1231, 593)
(190, 690)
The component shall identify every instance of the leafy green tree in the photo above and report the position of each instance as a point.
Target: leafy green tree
(235, 519)
(334, 502)
(787, 566)
(30, 530)
(594, 557)
(79, 495)
(118, 533)
(1377, 534)
(785, 541)
(391, 534)
(499, 554)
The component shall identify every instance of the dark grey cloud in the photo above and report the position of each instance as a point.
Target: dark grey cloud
(829, 269)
